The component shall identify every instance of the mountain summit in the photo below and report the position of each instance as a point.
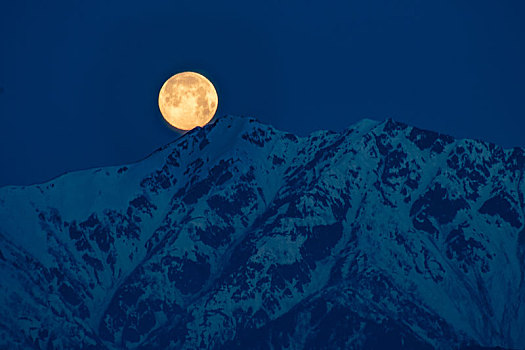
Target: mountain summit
(238, 235)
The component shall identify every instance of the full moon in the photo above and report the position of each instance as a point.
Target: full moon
(188, 100)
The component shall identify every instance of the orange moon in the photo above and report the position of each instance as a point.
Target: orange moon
(188, 100)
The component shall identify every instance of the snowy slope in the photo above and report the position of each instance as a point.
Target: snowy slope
(238, 235)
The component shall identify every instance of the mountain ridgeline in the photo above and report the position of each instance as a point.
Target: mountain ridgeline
(240, 236)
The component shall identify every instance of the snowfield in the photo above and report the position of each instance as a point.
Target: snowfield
(240, 236)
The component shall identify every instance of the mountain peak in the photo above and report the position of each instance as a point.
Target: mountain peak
(238, 235)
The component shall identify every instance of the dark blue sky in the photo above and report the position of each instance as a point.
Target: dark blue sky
(79, 80)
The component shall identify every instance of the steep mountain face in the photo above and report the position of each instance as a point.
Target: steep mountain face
(241, 236)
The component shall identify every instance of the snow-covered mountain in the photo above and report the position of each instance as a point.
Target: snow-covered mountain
(240, 236)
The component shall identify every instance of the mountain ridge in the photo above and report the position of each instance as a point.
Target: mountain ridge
(364, 121)
(232, 229)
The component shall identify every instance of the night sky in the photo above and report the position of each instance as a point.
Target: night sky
(79, 81)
